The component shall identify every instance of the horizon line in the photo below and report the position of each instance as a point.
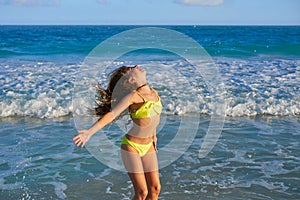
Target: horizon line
(93, 24)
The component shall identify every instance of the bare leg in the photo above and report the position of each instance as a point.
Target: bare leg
(153, 185)
(140, 185)
(150, 165)
(133, 164)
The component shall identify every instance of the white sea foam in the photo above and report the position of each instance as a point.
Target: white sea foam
(59, 188)
(252, 87)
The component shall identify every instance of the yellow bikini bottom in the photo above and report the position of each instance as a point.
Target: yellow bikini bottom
(142, 149)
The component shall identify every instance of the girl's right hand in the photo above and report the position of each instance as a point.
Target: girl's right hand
(82, 138)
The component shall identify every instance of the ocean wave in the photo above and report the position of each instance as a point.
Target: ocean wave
(49, 108)
(4, 53)
(251, 88)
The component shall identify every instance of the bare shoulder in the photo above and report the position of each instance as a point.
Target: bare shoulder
(135, 97)
(132, 98)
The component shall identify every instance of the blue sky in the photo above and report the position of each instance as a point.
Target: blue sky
(154, 12)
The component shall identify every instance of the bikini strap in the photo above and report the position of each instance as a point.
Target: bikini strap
(140, 95)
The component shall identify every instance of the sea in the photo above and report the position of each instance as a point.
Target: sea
(256, 149)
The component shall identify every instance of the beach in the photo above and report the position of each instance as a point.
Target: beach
(255, 157)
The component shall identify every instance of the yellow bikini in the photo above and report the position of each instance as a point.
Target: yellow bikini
(142, 149)
(148, 109)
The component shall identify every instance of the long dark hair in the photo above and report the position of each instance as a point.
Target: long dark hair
(117, 88)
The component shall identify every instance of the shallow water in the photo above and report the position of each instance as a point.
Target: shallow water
(253, 159)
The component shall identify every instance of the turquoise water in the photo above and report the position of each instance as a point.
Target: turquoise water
(256, 156)
(254, 159)
(228, 41)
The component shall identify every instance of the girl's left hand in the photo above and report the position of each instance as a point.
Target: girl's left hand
(82, 138)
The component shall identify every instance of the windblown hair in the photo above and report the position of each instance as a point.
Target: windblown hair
(118, 87)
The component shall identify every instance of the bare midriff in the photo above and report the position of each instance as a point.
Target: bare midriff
(143, 130)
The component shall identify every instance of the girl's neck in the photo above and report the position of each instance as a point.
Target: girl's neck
(144, 88)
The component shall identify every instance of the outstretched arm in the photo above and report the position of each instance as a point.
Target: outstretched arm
(84, 135)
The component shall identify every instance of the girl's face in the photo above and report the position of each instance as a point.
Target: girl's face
(137, 74)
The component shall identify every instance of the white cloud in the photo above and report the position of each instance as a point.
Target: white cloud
(31, 2)
(200, 2)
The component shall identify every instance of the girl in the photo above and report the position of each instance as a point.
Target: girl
(138, 146)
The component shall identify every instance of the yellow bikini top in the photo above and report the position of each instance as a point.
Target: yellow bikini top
(148, 109)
